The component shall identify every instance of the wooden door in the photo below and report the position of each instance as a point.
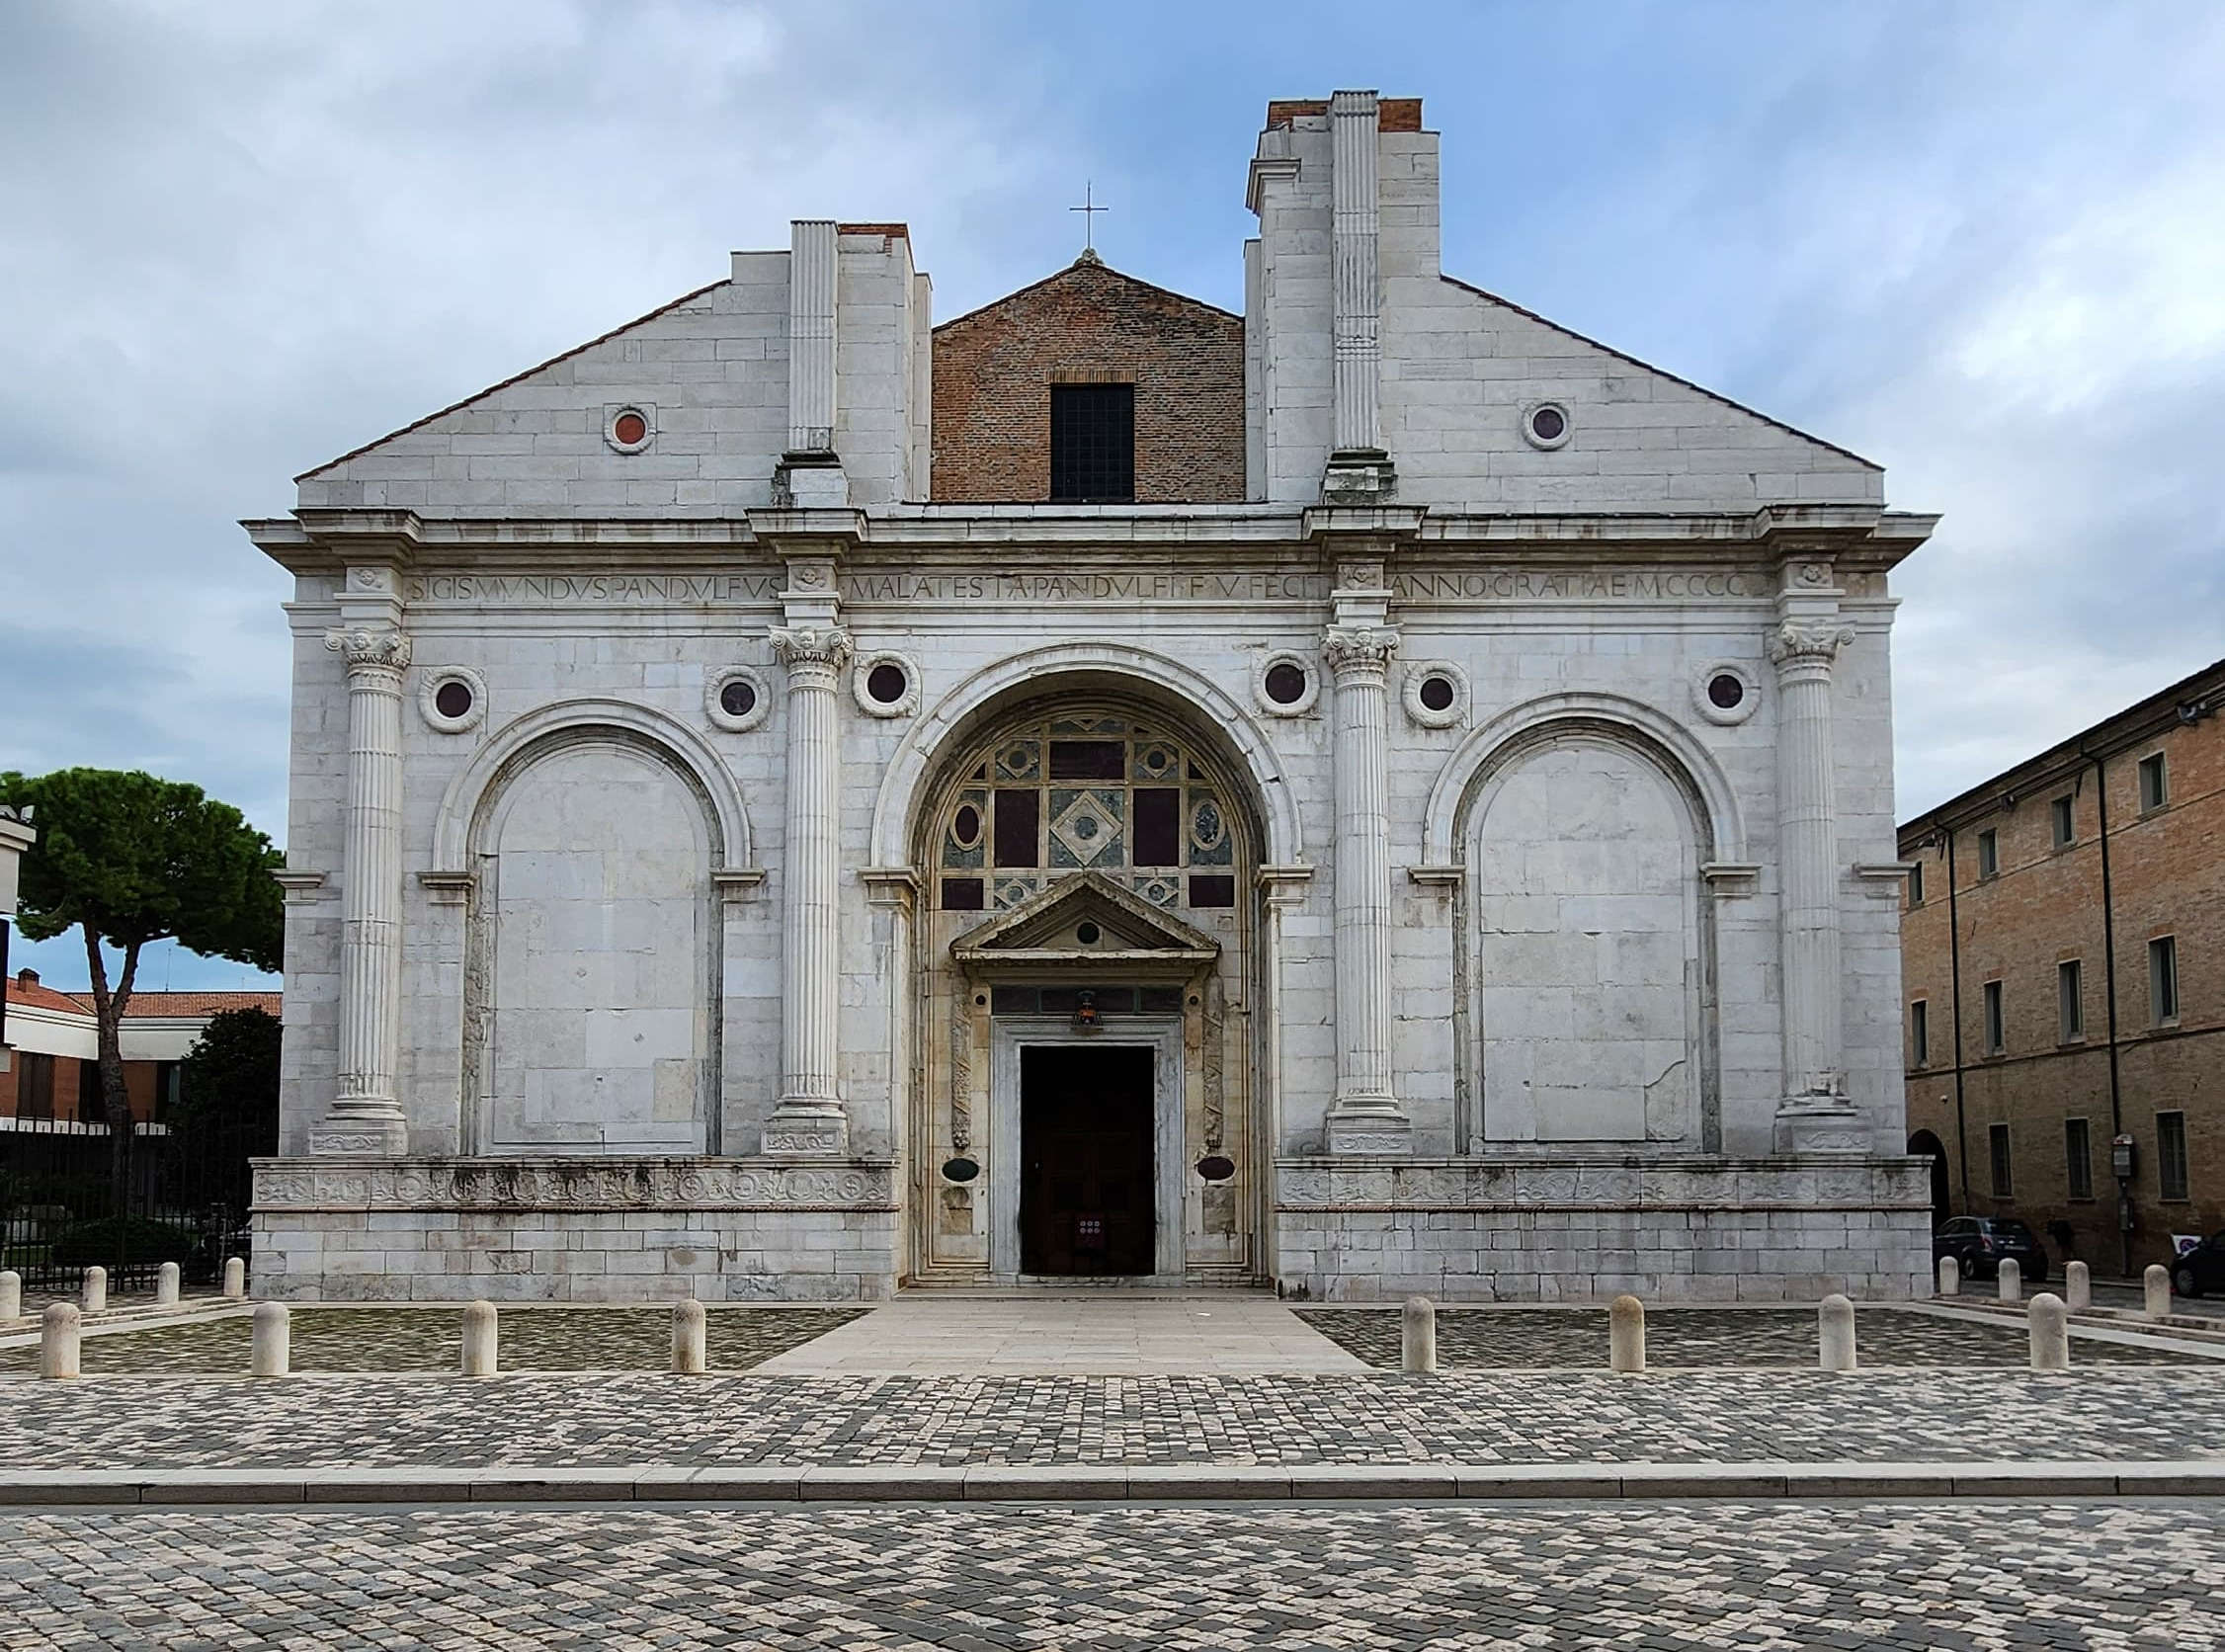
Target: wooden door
(1085, 1202)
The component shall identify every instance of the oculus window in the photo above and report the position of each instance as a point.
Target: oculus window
(1092, 443)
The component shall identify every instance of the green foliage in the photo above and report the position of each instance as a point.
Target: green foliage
(135, 859)
(120, 1241)
(227, 1108)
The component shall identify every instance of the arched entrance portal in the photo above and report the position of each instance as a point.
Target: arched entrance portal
(1923, 1144)
(1085, 953)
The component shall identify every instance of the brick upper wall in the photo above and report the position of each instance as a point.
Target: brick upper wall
(994, 369)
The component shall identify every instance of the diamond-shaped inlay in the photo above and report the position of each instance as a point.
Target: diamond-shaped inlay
(1089, 830)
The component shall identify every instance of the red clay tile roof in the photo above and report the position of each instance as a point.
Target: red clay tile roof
(147, 1003)
(43, 997)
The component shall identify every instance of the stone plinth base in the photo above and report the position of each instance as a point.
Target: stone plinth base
(575, 1229)
(1578, 1229)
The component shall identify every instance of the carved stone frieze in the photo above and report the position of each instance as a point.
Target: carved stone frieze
(1605, 1185)
(961, 1069)
(681, 1185)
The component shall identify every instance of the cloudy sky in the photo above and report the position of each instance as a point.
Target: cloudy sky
(1979, 243)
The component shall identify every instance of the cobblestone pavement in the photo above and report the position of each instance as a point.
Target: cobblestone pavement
(430, 1340)
(2116, 1413)
(1661, 1576)
(1529, 1339)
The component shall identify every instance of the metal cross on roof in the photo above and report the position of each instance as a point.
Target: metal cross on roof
(1087, 209)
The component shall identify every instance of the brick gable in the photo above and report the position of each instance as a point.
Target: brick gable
(994, 366)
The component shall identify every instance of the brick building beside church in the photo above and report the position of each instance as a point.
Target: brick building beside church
(2061, 940)
(1375, 793)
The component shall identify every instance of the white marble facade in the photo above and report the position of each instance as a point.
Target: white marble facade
(640, 703)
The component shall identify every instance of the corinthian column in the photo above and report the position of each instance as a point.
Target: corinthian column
(366, 1115)
(1814, 1116)
(809, 1118)
(1366, 1116)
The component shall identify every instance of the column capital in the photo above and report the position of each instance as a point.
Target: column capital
(824, 647)
(366, 650)
(1359, 650)
(1814, 643)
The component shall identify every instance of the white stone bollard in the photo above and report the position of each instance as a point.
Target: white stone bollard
(479, 1340)
(11, 1294)
(273, 1353)
(1835, 1333)
(2156, 1281)
(59, 1341)
(2050, 1333)
(2012, 1277)
(1950, 1276)
(2078, 1287)
(690, 1338)
(1626, 1335)
(166, 1286)
(235, 1278)
(96, 1290)
(1417, 1335)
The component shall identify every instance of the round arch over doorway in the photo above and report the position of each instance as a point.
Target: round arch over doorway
(1087, 848)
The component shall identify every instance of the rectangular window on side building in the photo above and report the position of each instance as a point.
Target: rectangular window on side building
(2155, 783)
(1997, 1144)
(2171, 1154)
(1916, 883)
(2078, 1158)
(2064, 822)
(1989, 853)
(2070, 1000)
(2163, 978)
(34, 1085)
(1996, 1031)
(1919, 1034)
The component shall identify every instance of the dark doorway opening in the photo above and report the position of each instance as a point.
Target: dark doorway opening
(1925, 1145)
(1085, 1202)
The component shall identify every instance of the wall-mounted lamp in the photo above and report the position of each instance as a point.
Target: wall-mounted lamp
(1086, 1018)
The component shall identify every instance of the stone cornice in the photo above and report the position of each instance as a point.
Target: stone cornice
(325, 539)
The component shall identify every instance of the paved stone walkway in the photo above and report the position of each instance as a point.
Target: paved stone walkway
(1665, 1577)
(1528, 1339)
(1228, 1332)
(2116, 1413)
(547, 1339)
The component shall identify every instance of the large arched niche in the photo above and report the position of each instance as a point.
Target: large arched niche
(593, 948)
(970, 1016)
(1585, 992)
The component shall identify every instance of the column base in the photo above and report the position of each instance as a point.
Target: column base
(807, 1127)
(359, 1130)
(1370, 1127)
(1359, 476)
(1821, 1125)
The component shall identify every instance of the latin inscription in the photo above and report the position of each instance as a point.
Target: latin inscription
(1509, 585)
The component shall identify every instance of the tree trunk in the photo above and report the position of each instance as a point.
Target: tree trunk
(116, 1101)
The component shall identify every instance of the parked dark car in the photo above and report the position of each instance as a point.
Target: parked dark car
(2198, 1271)
(1979, 1243)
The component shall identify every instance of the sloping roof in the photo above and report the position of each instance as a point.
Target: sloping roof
(198, 1003)
(1673, 378)
(1092, 265)
(40, 997)
(505, 383)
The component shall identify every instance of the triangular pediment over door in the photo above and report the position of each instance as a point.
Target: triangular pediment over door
(1085, 923)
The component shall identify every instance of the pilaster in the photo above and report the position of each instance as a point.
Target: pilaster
(364, 1115)
(1358, 471)
(809, 1120)
(810, 472)
(1366, 1118)
(1815, 1114)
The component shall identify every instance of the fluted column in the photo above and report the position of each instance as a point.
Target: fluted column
(366, 1115)
(1814, 1113)
(1366, 1116)
(809, 1118)
(1359, 471)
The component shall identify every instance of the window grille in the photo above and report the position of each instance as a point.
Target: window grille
(1092, 443)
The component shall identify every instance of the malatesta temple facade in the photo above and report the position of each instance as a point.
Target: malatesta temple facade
(1376, 794)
